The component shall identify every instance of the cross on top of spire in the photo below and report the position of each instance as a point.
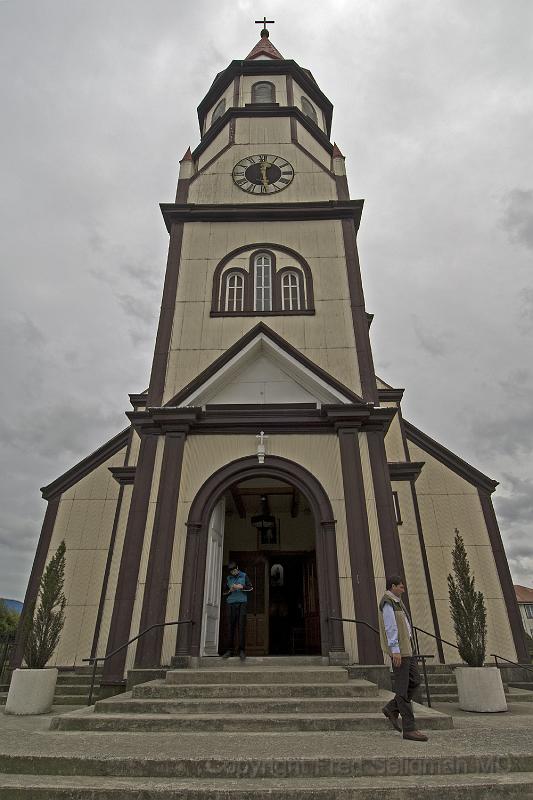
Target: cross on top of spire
(264, 22)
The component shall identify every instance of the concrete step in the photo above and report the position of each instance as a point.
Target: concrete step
(88, 720)
(441, 677)
(452, 696)
(216, 662)
(475, 787)
(161, 689)
(258, 675)
(73, 688)
(527, 685)
(249, 766)
(249, 706)
(3, 698)
(72, 679)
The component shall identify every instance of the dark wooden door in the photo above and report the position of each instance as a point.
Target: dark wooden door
(256, 567)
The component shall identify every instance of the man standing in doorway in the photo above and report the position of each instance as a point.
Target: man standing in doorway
(397, 642)
(237, 584)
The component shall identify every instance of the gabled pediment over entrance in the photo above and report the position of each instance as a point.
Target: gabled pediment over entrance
(263, 368)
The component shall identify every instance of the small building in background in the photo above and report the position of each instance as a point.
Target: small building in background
(524, 597)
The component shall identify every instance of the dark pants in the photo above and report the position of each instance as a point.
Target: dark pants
(405, 680)
(237, 619)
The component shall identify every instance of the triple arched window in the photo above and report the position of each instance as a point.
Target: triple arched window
(264, 287)
(263, 92)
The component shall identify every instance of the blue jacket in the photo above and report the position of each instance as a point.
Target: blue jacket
(238, 596)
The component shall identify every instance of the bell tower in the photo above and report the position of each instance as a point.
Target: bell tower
(263, 230)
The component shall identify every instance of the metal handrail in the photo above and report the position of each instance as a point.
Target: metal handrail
(514, 663)
(418, 655)
(95, 659)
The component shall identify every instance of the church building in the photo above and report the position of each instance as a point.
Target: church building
(265, 436)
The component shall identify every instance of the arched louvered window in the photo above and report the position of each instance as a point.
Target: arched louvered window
(234, 299)
(263, 92)
(290, 291)
(262, 282)
(219, 110)
(309, 110)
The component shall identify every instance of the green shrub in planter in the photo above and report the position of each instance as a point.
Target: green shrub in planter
(467, 606)
(43, 626)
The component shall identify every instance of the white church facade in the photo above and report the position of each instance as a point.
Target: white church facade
(263, 403)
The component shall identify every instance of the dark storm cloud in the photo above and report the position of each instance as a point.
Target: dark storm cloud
(433, 343)
(518, 507)
(518, 216)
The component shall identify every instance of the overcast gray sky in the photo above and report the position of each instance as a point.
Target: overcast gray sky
(433, 110)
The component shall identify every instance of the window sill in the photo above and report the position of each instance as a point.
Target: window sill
(308, 312)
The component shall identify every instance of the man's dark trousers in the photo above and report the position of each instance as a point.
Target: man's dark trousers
(406, 679)
(237, 619)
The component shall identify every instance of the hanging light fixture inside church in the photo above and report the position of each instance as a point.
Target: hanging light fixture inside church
(264, 521)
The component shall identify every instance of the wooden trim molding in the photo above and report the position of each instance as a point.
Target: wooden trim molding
(107, 570)
(405, 470)
(119, 630)
(125, 476)
(224, 268)
(349, 211)
(236, 348)
(166, 317)
(264, 110)
(362, 568)
(449, 459)
(504, 574)
(192, 593)
(286, 67)
(388, 529)
(427, 572)
(360, 322)
(157, 576)
(37, 569)
(86, 465)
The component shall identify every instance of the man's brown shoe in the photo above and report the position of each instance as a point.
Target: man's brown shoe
(415, 736)
(393, 719)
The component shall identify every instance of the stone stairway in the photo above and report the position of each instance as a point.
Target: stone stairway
(72, 688)
(269, 730)
(443, 687)
(263, 697)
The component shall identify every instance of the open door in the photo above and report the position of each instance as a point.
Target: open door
(310, 605)
(213, 579)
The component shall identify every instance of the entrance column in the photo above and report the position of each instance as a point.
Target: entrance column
(362, 568)
(157, 575)
(330, 606)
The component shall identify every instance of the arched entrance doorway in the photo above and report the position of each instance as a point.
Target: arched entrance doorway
(245, 473)
(266, 526)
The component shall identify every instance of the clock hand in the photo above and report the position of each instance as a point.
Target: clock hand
(263, 167)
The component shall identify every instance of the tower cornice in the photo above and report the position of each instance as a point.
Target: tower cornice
(262, 212)
(263, 110)
(265, 67)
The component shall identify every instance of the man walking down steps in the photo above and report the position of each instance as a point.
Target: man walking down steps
(397, 642)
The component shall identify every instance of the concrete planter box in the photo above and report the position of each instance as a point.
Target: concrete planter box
(31, 691)
(480, 689)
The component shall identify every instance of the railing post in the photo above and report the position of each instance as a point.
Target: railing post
(428, 696)
(93, 678)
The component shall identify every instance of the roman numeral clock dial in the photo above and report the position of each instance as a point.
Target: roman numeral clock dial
(262, 174)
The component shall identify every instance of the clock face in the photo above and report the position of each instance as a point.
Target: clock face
(263, 174)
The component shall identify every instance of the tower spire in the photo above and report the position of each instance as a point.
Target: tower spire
(264, 47)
